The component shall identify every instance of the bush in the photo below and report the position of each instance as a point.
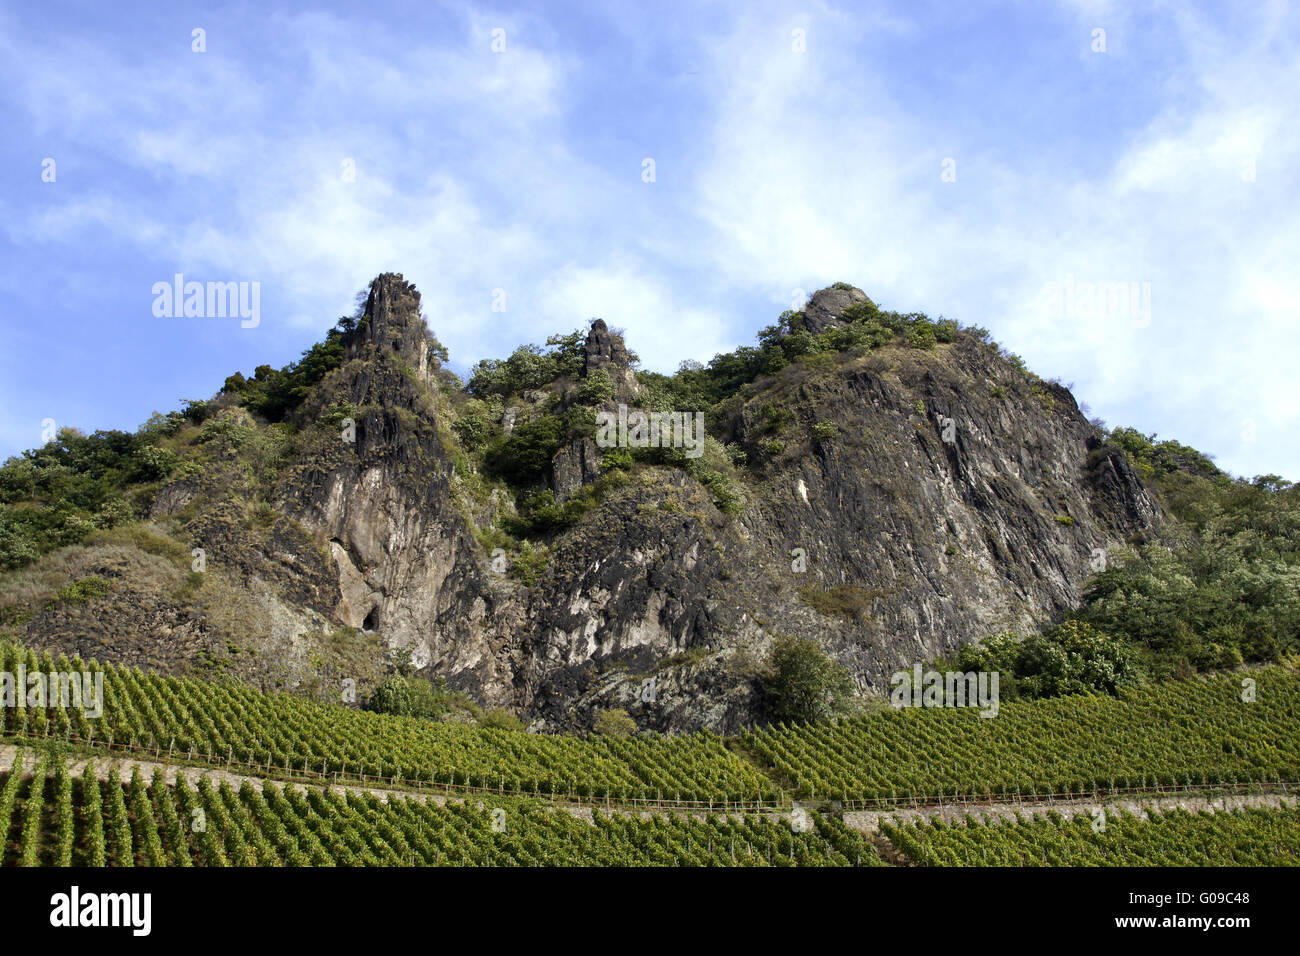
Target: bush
(803, 683)
(529, 562)
(87, 589)
(275, 393)
(1232, 591)
(500, 719)
(596, 388)
(526, 454)
(477, 423)
(614, 723)
(155, 462)
(528, 367)
(1071, 658)
(616, 459)
(17, 546)
(409, 696)
(921, 336)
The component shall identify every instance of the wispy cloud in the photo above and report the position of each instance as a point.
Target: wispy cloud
(1165, 160)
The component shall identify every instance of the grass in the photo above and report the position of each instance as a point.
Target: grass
(846, 601)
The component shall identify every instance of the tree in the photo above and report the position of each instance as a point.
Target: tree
(616, 722)
(407, 696)
(1071, 658)
(596, 388)
(803, 683)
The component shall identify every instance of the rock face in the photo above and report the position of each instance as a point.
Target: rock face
(826, 306)
(915, 500)
(605, 350)
(577, 464)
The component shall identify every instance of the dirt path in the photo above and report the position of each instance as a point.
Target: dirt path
(868, 821)
(124, 766)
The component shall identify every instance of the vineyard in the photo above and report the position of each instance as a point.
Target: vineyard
(229, 723)
(1182, 735)
(1178, 734)
(1186, 734)
(1247, 837)
(51, 817)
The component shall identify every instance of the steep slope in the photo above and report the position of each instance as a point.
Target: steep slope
(889, 502)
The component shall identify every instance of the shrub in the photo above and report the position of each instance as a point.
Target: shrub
(87, 589)
(528, 367)
(596, 388)
(275, 393)
(1071, 658)
(801, 342)
(775, 417)
(500, 719)
(477, 423)
(17, 545)
(616, 459)
(824, 432)
(529, 562)
(526, 454)
(804, 684)
(409, 696)
(921, 336)
(614, 723)
(155, 462)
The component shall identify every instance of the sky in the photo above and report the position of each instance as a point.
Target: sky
(685, 171)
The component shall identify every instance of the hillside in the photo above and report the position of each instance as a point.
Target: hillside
(887, 486)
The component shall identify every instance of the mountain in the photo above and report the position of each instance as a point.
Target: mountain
(887, 486)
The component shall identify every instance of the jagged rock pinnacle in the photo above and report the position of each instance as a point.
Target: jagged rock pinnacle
(392, 322)
(605, 350)
(392, 315)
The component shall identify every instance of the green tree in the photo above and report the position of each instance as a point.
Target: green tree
(615, 722)
(803, 683)
(596, 388)
(407, 697)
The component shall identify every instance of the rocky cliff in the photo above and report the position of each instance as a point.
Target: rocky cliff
(888, 502)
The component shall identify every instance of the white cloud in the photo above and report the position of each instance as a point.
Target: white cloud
(792, 170)
(805, 185)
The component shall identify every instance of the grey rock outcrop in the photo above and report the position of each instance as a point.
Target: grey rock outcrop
(605, 350)
(826, 307)
(953, 497)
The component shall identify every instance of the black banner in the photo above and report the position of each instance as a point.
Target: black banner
(340, 906)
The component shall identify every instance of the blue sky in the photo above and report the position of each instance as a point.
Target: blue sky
(794, 145)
